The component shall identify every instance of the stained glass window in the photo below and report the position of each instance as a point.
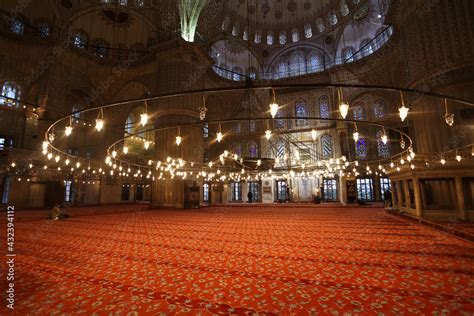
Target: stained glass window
(383, 149)
(101, 49)
(258, 37)
(17, 26)
(324, 106)
(10, 92)
(236, 29)
(295, 36)
(308, 32)
(348, 55)
(205, 130)
(236, 188)
(252, 126)
(76, 116)
(237, 128)
(253, 149)
(359, 113)
(326, 146)
(366, 47)
(80, 40)
(279, 123)
(43, 29)
(205, 192)
(282, 69)
(314, 64)
(379, 109)
(361, 148)
(280, 149)
(297, 64)
(282, 38)
(270, 38)
(332, 19)
(301, 110)
(320, 25)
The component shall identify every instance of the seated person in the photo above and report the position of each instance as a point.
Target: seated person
(56, 213)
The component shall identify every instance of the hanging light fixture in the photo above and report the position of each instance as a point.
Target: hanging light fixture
(268, 134)
(219, 135)
(402, 142)
(178, 138)
(144, 116)
(68, 129)
(57, 158)
(314, 134)
(99, 121)
(273, 105)
(458, 156)
(384, 137)
(449, 118)
(403, 110)
(125, 150)
(443, 161)
(146, 144)
(355, 135)
(343, 106)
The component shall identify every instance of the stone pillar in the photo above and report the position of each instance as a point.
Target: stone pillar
(407, 193)
(400, 194)
(342, 191)
(461, 205)
(417, 193)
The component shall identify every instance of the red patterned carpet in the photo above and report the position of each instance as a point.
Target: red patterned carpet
(240, 261)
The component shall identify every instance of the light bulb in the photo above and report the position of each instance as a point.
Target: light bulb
(403, 111)
(443, 161)
(449, 118)
(219, 136)
(392, 164)
(107, 159)
(273, 109)
(259, 162)
(146, 145)
(402, 144)
(402, 161)
(268, 134)
(45, 145)
(412, 166)
(458, 158)
(13, 164)
(68, 130)
(99, 124)
(344, 109)
(355, 135)
(384, 139)
(78, 164)
(313, 134)
(114, 154)
(67, 161)
(178, 140)
(50, 155)
(143, 119)
(30, 165)
(125, 150)
(57, 158)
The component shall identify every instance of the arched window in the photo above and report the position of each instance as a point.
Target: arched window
(282, 38)
(139, 3)
(361, 148)
(236, 74)
(383, 149)
(237, 128)
(236, 29)
(314, 62)
(366, 47)
(326, 146)
(252, 73)
(258, 37)
(301, 110)
(17, 26)
(348, 54)
(129, 124)
(225, 23)
(237, 149)
(43, 29)
(280, 149)
(344, 8)
(123, 2)
(379, 110)
(77, 116)
(245, 35)
(297, 64)
(279, 123)
(270, 38)
(252, 126)
(101, 49)
(205, 130)
(10, 93)
(308, 31)
(295, 36)
(324, 106)
(253, 149)
(282, 69)
(320, 25)
(332, 19)
(359, 113)
(80, 40)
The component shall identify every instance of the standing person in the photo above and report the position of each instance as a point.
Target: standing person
(250, 196)
(387, 196)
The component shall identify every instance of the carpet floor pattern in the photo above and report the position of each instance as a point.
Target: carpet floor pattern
(246, 261)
